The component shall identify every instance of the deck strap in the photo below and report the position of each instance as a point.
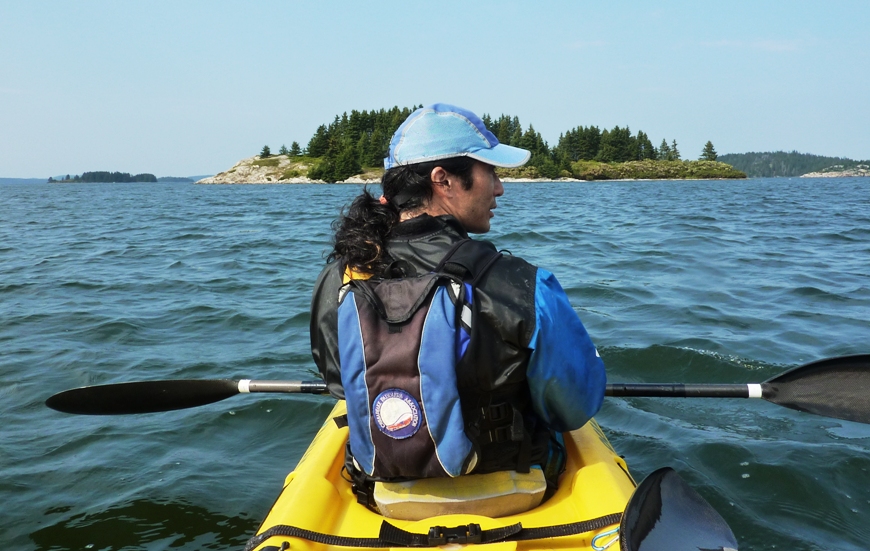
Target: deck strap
(393, 536)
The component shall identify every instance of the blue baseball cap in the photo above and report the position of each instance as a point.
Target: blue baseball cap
(442, 131)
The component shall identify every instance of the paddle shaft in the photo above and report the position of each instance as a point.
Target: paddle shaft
(619, 390)
(294, 387)
(616, 390)
(679, 390)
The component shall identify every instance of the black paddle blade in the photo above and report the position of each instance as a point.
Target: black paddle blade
(836, 387)
(142, 397)
(666, 514)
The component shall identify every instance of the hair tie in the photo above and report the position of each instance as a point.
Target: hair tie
(383, 200)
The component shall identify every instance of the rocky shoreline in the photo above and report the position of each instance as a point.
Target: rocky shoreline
(279, 169)
(840, 172)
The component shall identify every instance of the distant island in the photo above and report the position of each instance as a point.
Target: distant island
(284, 169)
(352, 149)
(105, 178)
(775, 164)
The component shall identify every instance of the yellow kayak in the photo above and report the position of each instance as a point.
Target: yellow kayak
(317, 499)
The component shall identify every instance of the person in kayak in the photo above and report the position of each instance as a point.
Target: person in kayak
(530, 371)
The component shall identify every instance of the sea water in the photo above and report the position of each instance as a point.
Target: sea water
(676, 281)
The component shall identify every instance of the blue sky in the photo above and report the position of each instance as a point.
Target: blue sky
(180, 88)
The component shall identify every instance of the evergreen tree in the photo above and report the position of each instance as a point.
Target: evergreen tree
(487, 122)
(517, 133)
(346, 164)
(283, 150)
(617, 146)
(646, 150)
(295, 151)
(266, 153)
(665, 151)
(675, 153)
(709, 154)
(532, 141)
(363, 149)
(319, 143)
(589, 143)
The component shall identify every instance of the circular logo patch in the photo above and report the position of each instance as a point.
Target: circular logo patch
(397, 413)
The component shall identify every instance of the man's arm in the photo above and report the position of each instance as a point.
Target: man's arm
(324, 327)
(566, 375)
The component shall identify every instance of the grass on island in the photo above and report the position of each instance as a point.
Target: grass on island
(269, 161)
(653, 170)
(632, 170)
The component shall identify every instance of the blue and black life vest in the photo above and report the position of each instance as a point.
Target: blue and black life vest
(401, 340)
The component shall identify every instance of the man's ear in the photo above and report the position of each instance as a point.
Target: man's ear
(441, 183)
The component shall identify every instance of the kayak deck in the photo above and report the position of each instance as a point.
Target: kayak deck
(317, 498)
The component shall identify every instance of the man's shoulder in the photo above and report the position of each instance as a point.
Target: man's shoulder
(509, 260)
(330, 276)
(330, 269)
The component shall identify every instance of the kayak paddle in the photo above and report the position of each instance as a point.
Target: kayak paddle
(835, 387)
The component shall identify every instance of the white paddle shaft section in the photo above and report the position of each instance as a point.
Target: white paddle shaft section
(755, 391)
(291, 387)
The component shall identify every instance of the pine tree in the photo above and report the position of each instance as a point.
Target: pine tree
(617, 146)
(295, 151)
(665, 151)
(266, 153)
(283, 150)
(589, 142)
(319, 143)
(675, 153)
(645, 147)
(709, 154)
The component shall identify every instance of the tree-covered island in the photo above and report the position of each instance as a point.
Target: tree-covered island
(353, 146)
(104, 177)
(779, 164)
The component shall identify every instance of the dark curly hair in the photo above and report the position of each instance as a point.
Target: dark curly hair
(362, 229)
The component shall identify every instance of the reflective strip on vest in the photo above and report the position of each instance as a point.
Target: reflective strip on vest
(437, 364)
(353, 372)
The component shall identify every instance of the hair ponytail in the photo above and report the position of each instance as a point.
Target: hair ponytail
(362, 230)
(361, 234)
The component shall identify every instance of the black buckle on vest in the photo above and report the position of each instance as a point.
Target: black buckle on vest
(497, 435)
(514, 432)
(496, 413)
(439, 535)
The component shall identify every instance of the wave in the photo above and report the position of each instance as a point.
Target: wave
(144, 524)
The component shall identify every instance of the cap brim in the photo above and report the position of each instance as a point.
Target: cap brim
(503, 155)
